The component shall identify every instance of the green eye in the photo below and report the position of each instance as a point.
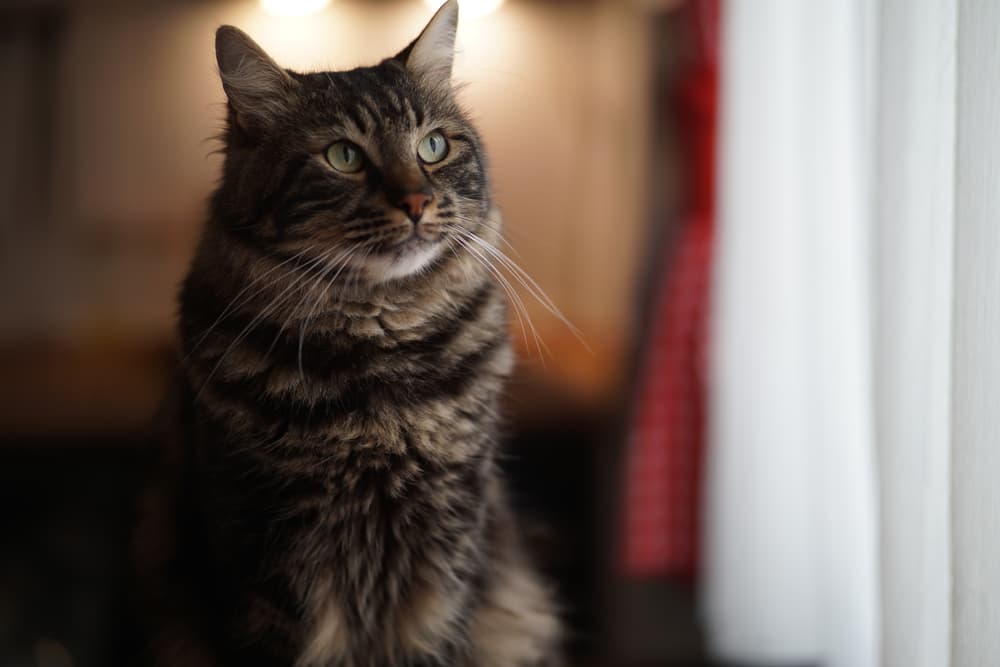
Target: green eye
(344, 156)
(433, 148)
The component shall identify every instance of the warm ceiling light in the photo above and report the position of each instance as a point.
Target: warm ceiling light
(469, 9)
(293, 7)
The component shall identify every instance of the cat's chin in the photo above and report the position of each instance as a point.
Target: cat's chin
(411, 258)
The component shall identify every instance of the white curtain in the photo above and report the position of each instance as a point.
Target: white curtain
(791, 508)
(853, 495)
(914, 204)
(975, 373)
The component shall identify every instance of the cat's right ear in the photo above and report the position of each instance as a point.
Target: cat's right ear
(258, 89)
(429, 57)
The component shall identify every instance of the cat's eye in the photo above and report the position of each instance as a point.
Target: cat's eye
(433, 148)
(345, 156)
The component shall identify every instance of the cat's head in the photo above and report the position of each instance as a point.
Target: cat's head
(375, 168)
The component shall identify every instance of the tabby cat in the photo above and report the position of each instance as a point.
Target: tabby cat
(328, 492)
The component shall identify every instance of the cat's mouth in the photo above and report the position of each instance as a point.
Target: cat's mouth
(410, 252)
(418, 236)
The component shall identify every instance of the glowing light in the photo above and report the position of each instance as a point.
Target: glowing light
(293, 7)
(470, 9)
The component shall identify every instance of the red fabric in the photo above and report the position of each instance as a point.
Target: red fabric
(663, 484)
(664, 473)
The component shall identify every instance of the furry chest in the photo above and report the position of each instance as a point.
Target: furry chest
(398, 554)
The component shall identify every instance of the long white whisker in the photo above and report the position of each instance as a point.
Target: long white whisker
(452, 241)
(519, 304)
(294, 313)
(303, 324)
(533, 286)
(515, 298)
(340, 300)
(233, 306)
(484, 223)
(342, 260)
(503, 283)
(526, 281)
(276, 302)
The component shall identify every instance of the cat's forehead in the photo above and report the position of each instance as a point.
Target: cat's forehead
(384, 92)
(359, 80)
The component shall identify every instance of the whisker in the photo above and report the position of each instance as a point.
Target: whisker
(294, 314)
(501, 234)
(233, 306)
(276, 302)
(519, 307)
(342, 260)
(526, 281)
(380, 233)
(339, 302)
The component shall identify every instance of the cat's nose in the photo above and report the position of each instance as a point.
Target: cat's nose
(414, 203)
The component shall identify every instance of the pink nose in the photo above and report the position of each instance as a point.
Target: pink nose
(414, 204)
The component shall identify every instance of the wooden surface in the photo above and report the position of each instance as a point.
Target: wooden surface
(50, 389)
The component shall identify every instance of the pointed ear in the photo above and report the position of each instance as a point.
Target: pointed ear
(258, 89)
(430, 55)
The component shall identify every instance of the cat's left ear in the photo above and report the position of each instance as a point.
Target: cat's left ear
(430, 56)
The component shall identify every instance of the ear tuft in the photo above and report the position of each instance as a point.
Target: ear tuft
(258, 89)
(431, 55)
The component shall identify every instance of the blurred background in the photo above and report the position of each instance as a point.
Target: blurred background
(773, 221)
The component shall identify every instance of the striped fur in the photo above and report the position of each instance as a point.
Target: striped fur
(327, 491)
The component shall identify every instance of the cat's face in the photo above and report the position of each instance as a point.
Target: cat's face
(375, 169)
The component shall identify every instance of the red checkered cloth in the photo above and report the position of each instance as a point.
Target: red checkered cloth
(666, 442)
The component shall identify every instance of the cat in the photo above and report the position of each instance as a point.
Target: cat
(327, 491)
